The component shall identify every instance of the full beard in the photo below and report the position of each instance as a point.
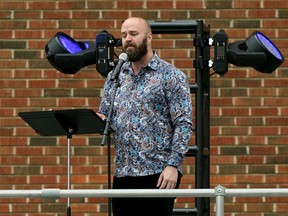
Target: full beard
(136, 53)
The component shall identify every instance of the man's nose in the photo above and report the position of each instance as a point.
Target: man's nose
(128, 37)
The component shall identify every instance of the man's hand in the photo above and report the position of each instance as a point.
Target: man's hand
(168, 178)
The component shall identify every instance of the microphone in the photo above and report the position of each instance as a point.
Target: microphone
(116, 71)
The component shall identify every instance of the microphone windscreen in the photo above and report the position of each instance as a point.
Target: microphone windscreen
(123, 56)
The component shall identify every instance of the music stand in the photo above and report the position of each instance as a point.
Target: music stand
(64, 122)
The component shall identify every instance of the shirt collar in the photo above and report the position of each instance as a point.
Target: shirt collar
(154, 64)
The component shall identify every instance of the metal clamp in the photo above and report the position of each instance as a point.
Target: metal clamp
(220, 194)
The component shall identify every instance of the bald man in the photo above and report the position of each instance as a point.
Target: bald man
(152, 118)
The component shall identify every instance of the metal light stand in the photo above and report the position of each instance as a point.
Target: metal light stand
(202, 115)
(202, 109)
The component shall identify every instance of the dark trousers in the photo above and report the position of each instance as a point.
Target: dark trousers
(141, 206)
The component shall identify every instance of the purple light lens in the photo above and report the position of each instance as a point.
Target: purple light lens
(69, 44)
(269, 46)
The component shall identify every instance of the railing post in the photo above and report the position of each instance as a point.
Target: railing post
(220, 194)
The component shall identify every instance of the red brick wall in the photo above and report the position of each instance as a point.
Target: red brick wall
(249, 112)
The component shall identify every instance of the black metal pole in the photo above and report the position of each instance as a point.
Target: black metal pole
(202, 116)
(69, 138)
(206, 123)
(109, 174)
(199, 114)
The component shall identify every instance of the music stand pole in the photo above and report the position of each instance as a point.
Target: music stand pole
(69, 138)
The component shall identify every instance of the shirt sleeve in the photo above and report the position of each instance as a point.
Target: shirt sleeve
(105, 100)
(179, 101)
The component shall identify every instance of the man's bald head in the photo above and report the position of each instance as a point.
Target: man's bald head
(138, 22)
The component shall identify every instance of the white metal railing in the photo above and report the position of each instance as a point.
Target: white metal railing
(219, 193)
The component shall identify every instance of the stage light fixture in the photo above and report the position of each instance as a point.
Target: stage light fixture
(257, 51)
(69, 56)
(105, 44)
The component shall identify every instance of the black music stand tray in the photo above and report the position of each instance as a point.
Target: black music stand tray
(64, 122)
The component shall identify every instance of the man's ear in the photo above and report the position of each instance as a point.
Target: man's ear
(149, 37)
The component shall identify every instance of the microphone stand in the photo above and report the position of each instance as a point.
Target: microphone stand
(107, 138)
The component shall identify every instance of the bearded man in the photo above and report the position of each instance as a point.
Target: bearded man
(152, 119)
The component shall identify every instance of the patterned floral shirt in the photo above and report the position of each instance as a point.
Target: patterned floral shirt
(152, 118)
